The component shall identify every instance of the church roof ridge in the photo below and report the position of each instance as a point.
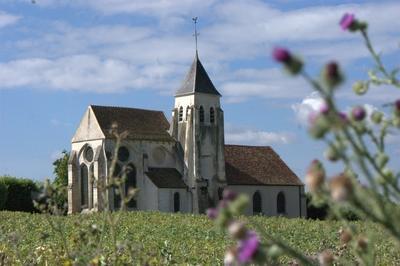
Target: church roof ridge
(197, 80)
(123, 107)
(249, 146)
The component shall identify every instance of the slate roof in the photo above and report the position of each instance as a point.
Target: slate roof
(250, 165)
(166, 177)
(139, 123)
(197, 80)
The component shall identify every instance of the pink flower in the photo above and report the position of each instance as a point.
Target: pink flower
(281, 55)
(347, 21)
(324, 109)
(248, 247)
(212, 213)
(229, 195)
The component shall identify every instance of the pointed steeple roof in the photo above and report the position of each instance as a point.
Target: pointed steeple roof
(197, 80)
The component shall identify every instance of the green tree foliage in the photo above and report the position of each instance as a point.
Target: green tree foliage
(18, 194)
(61, 179)
(61, 169)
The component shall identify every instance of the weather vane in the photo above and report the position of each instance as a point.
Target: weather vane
(195, 31)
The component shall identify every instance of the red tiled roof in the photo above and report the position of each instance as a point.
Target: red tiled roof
(166, 177)
(251, 165)
(139, 123)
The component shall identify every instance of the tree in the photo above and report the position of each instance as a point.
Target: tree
(61, 169)
(60, 182)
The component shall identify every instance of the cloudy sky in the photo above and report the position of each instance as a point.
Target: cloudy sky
(59, 56)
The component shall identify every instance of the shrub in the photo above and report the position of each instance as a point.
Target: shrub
(18, 193)
(3, 195)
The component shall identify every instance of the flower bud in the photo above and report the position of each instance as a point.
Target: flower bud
(274, 252)
(348, 22)
(360, 88)
(212, 213)
(319, 126)
(281, 55)
(326, 258)
(292, 63)
(237, 230)
(358, 113)
(376, 117)
(332, 154)
(397, 107)
(315, 176)
(229, 195)
(332, 75)
(341, 188)
(362, 243)
(345, 236)
(230, 257)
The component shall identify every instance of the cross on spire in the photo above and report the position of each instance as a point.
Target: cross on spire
(195, 31)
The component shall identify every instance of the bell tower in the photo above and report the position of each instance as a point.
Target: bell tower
(198, 125)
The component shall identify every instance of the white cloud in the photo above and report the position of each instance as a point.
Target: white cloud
(242, 135)
(309, 105)
(7, 19)
(81, 72)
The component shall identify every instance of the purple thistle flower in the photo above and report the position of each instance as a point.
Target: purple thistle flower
(248, 247)
(281, 55)
(229, 195)
(347, 21)
(212, 213)
(358, 113)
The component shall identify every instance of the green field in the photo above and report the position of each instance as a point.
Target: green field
(161, 238)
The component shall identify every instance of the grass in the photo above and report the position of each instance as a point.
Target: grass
(162, 238)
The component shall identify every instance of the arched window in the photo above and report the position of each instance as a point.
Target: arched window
(257, 205)
(212, 115)
(130, 183)
(84, 186)
(180, 113)
(91, 186)
(281, 203)
(201, 114)
(117, 193)
(187, 113)
(177, 202)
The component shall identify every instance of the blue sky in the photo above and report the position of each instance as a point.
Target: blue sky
(59, 56)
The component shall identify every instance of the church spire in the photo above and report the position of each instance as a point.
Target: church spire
(197, 80)
(195, 33)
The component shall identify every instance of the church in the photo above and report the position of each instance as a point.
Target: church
(181, 166)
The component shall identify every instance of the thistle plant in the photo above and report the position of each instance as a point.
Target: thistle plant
(367, 185)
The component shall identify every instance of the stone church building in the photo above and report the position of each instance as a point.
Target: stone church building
(182, 166)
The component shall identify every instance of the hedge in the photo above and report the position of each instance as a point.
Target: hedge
(16, 194)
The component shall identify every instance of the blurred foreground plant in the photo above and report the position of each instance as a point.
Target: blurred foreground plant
(89, 244)
(367, 185)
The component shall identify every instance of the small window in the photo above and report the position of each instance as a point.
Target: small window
(187, 113)
(88, 154)
(123, 154)
(180, 114)
(177, 202)
(201, 114)
(212, 115)
(84, 186)
(257, 205)
(281, 203)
